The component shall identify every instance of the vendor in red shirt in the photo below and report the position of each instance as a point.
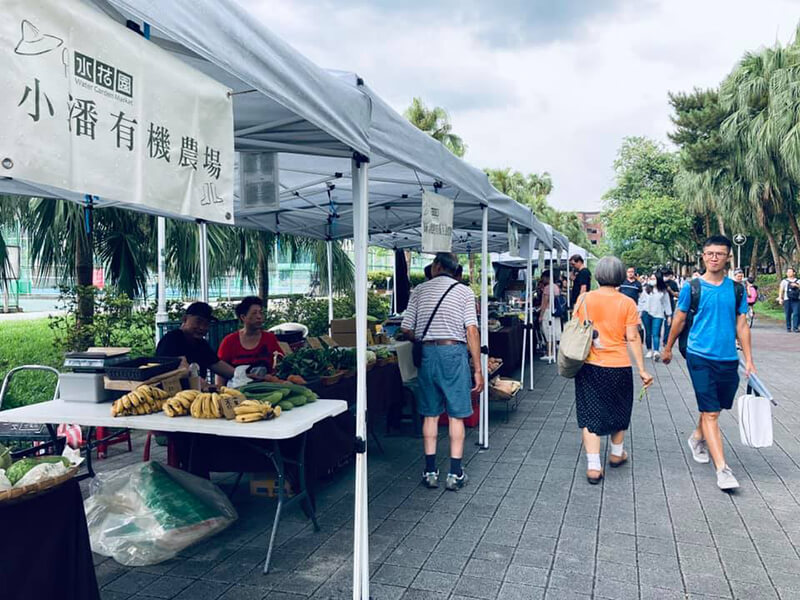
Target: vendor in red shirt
(251, 345)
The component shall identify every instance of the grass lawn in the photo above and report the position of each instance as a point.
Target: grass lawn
(764, 309)
(28, 343)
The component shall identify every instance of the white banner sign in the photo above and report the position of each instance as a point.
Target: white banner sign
(92, 107)
(513, 239)
(437, 222)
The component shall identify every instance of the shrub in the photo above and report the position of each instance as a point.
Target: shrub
(378, 279)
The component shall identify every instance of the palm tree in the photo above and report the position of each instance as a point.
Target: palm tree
(436, 123)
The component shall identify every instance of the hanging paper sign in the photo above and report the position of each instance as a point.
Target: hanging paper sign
(437, 223)
(92, 107)
(513, 239)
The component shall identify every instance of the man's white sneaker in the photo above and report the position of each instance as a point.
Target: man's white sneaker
(649, 354)
(699, 450)
(726, 480)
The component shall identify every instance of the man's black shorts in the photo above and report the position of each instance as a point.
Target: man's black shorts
(715, 382)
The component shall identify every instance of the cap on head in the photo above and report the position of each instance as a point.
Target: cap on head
(201, 309)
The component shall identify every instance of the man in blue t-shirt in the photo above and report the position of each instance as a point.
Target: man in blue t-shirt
(711, 352)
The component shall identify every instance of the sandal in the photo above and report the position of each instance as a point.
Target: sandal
(593, 476)
(619, 460)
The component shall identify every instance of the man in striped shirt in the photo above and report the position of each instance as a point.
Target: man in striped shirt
(446, 381)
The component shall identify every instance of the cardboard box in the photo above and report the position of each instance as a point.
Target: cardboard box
(343, 332)
(265, 484)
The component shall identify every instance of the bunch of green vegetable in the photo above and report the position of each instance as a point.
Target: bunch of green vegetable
(309, 363)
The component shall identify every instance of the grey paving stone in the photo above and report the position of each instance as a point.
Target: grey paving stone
(707, 584)
(109, 595)
(579, 582)
(407, 558)
(476, 587)
(131, 582)
(745, 591)
(561, 594)
(615, 590)
(203, 590)
(394, 575)
(166, 586)
(516, 591)
(245, 592)
(434, 581)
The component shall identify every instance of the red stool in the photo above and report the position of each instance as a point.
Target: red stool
(121, 438)
(172, 454)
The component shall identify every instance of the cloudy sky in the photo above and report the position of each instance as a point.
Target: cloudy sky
(536, 85)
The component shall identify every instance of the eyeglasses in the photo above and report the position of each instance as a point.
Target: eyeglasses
(716, 254)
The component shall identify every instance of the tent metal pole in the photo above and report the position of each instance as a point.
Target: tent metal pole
(527, 317)
(203, 243)
(531, 333)
(484, 413)
(161, 250)
(551, 350)
(360, 236)
(394, 282)
(330, 282)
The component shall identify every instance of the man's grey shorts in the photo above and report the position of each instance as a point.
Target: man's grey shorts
(445, 381)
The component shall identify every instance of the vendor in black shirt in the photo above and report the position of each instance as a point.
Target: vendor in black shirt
(583, 278)
(631, 287)
(189, 342)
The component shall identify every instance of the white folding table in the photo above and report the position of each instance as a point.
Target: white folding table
(294, 423)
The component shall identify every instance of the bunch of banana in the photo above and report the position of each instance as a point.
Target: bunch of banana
(231, 392)
(206, 406)
(252, 410)
(180, 403)
(144, 400)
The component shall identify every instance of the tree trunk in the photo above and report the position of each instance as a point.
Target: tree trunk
(472, 278)
(85, 292)
(795, 230)
(263, 274)
(707, 223)
(773, 246)
(754, 258)
(721, 224)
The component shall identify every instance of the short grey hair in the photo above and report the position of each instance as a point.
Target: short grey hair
(610, 271)
(447, 261)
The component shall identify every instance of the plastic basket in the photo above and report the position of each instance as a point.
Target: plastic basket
(131, 370)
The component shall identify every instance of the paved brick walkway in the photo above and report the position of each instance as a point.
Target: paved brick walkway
(528, 525)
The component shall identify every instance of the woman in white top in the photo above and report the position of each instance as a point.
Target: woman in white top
(550, 324)
(655, 308)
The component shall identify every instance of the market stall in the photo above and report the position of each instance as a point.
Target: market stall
(321, 136)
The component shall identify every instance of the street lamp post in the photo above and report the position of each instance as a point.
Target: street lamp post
(739, 239)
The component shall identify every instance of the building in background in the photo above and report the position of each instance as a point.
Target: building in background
(592, 224)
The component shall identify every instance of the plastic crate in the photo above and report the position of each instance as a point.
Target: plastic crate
(131, 370)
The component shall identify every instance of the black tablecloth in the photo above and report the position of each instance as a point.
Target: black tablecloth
(507, 344)
(45, 550)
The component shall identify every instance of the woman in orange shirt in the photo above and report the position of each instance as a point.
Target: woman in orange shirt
(604, 385)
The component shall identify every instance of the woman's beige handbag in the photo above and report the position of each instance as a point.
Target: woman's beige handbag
(576, 341)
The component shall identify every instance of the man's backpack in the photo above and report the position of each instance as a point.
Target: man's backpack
(792, 291)
(683, 339)
(560, 306)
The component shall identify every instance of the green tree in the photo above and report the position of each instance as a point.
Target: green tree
(436, 123)
(642, 165)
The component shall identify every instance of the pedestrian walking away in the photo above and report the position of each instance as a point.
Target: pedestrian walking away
(674, 290)
(550, 319)
(656, 310)
(716, 307)
(604, 385)
(789, 297)
(441, 315)
(583, 279)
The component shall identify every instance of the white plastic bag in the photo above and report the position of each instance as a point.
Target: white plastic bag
(755, 421)
(146, 513)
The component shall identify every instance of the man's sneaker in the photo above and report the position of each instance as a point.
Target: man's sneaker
(431, 479)
(649, 354)
(726, 480)
(699, 450)
(656, 356)
(456, 483)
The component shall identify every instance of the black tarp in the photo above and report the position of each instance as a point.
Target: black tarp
(402, 286)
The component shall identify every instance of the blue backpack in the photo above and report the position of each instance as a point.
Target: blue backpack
(560, 306)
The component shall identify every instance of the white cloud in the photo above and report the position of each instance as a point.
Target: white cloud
(561, 105)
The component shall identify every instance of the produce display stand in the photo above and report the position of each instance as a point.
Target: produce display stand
(292, 424)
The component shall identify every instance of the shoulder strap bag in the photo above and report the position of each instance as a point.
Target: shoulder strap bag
(576, 342)
(416, 349)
